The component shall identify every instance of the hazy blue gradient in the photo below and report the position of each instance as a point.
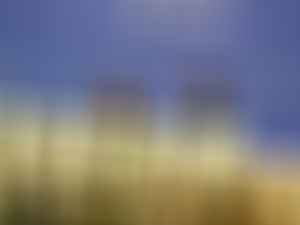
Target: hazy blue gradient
(59, 46)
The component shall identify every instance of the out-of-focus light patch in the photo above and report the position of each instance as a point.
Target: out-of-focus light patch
(177, 21)
(217, 161)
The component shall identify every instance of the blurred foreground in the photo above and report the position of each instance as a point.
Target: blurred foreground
(119, 166)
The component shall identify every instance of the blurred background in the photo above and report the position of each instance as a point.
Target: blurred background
(144, 112)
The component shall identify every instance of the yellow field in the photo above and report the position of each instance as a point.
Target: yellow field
(137, 187)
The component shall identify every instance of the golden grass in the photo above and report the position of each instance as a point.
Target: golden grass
(142, 188)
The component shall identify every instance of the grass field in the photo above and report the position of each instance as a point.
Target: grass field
(138, 187)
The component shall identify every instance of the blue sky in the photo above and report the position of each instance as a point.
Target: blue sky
(59, 46)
